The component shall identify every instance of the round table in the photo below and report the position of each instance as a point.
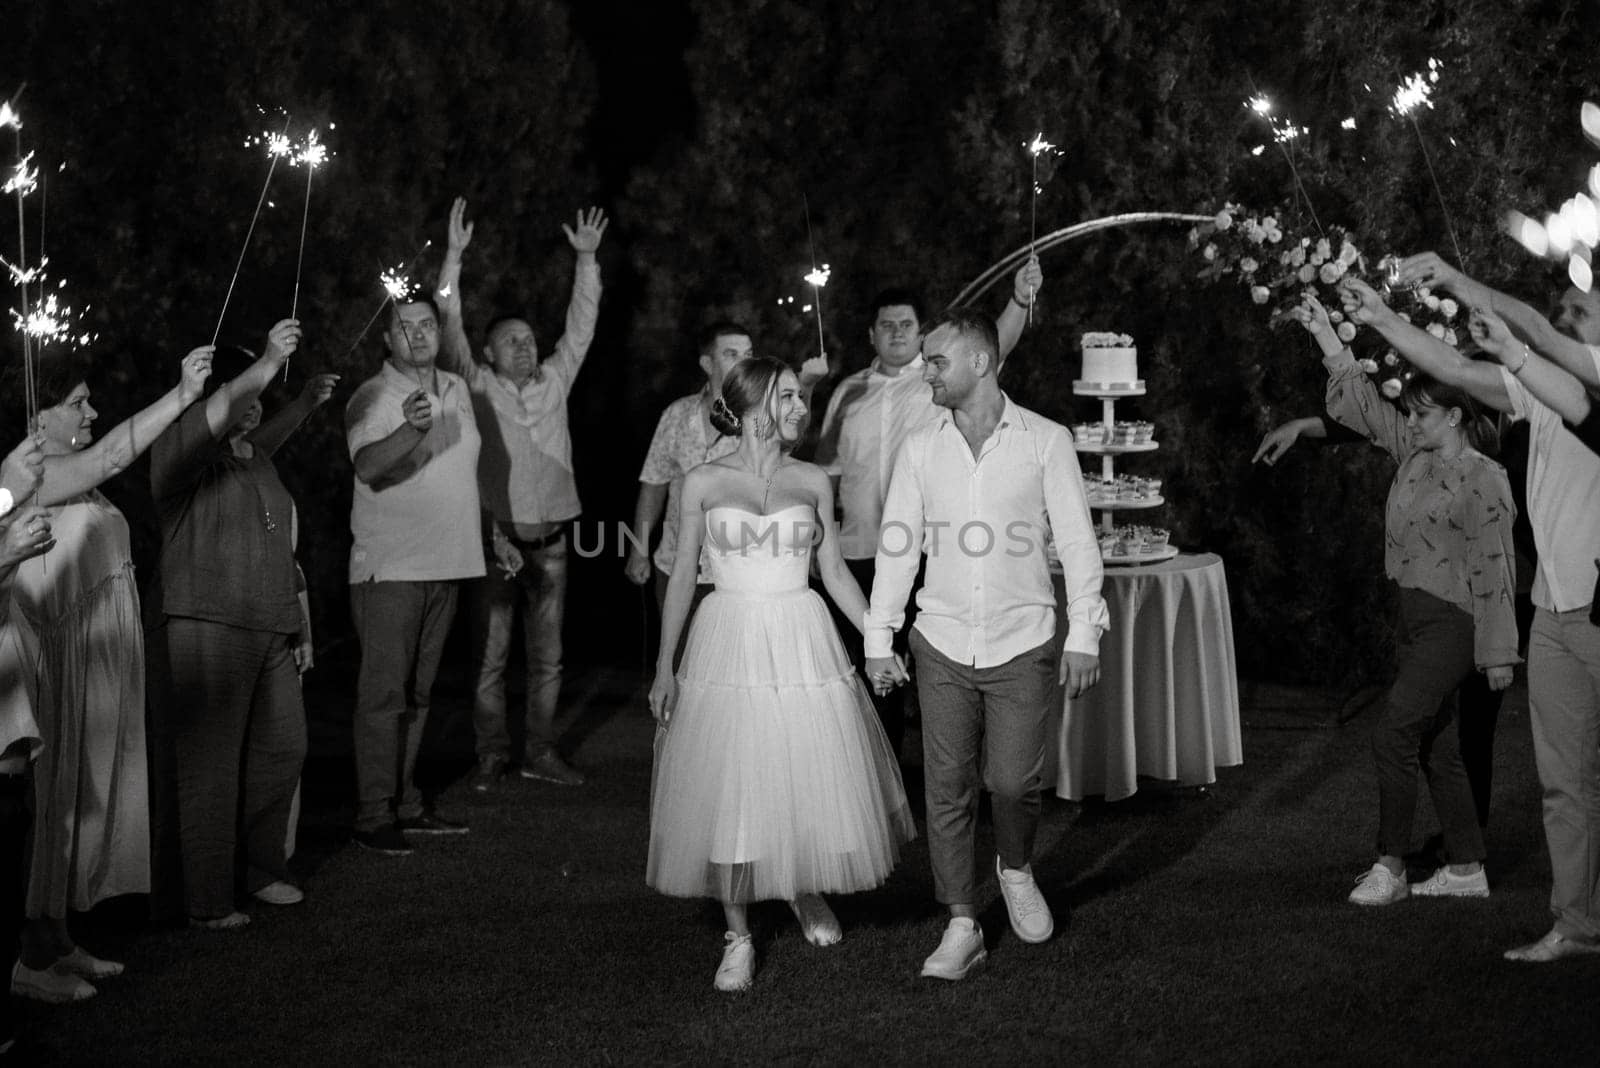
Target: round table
(1167, 705)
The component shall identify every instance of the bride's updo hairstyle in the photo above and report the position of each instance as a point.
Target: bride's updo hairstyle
(749, 391)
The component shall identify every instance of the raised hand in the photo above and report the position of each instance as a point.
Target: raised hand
(663, 697)
(460, 234)
(814, 370)
(1361, 302)
(590, 229)
(1492, 334)
(1430, 269)
(27, 534)
(283, 339)
(319, 388)
(196, 369)
(22, 470)
(1028, 281)
(1310, 314)
(418, 411)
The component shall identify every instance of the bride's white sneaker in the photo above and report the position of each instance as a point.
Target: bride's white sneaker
(738, 965)
(817, 921)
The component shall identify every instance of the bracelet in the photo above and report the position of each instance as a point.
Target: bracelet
(1019, 303)
(1526, 355)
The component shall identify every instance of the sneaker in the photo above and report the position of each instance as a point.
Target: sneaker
(1552, 947)
(231, 922)
(1445, 883)
(430, 823)
(960, 951)
(487, 777)
(1379, 886)
(817, 921)
(279, 893)
(549, 767)
(85, 965)
(386, 839)
(54, 984)
(1030, 914)
(738, 965)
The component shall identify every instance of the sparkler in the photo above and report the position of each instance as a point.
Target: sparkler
(1283, 134)
(397, 287)
(312, 156)
(1036, 148)
(20, 184)
(1412, 94)
(278, 147)
(818, 276)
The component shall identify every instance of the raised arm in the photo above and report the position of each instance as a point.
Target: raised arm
(274, 431)
(1025, 288)
(1572, 356)
(1350, 398)
(1482, 380)
(392, 457)
(583, 308)
(1549, 383)
(227, 405)
(68, 475)
(680, 592)
(455, 352)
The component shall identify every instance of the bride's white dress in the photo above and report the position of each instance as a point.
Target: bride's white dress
(774, 778)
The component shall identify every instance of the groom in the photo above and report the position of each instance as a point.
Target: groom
(978, 490)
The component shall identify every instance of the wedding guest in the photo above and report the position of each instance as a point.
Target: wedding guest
(685, 437)
(986, 649)
(1564, 647)
(774, 780)
(414, 517)
(528, 495)
(1447, 544)
(24, 533)
(869, 415)
(224, 621)
(76, 614)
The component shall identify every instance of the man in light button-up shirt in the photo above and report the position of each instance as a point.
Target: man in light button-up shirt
(978, 491)
(529, 496)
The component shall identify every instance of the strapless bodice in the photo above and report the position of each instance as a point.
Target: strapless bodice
(753, 554)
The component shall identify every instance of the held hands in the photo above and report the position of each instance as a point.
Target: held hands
(319, 388)
(1079, 673)
(1028, 281)
(418, 411)
(196, 369)
(23, 470)
(1492, 334)
(1279, 440)
(591, 228)
(460, 231)
(27, 534)
(637, 569)
(282, 340)
(885, 673)
(663, 697)
(1499, 677)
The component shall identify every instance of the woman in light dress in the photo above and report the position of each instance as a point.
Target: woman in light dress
(76, 611)
(775, 780)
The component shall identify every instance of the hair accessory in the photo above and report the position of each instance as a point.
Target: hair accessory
(720, 406)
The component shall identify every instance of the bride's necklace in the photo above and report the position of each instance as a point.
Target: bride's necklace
(766, 486)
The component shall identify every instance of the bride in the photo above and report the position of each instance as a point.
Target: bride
(775, 780)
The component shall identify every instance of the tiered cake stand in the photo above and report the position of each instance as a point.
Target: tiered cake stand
(1109, 394)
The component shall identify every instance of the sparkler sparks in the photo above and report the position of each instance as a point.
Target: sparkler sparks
(1284, 134)
(397, 284)
(9, 117)
(1416, 91)
(52, 320)
(818, 276)
(1036, 148)
(311, 156)
(24, 176)
(278, 147)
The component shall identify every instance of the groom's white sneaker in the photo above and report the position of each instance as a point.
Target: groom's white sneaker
(1030, 914)
(960, 951)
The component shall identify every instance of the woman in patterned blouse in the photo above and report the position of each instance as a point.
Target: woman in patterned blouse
(1447, 544)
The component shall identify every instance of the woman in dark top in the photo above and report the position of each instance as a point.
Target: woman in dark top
(223, 617)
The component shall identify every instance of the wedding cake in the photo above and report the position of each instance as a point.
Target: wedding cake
(1110, 362)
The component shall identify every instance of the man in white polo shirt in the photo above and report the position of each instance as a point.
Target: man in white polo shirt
(414, 517)
(870, 413)
(978, 490)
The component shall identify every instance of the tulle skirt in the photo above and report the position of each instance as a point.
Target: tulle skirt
(774, 777)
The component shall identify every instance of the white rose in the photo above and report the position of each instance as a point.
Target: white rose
(1224, 220)
(1335, 316)
(1450, 338)
(1274, 234)
(1449, 308)
(1348, 255)
(1437, 330)
(1431, 301)
(1307, 273)
(1346, 332)
(1369, 365)
(1248, 265)
(1324, 250)
(1392, 388)
(1253, 231)
(1297, 255)
(1330, 272)
(1259, 294)
(1390, 358)
(1209, 252)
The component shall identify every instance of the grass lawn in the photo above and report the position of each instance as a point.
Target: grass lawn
(1193, 927)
